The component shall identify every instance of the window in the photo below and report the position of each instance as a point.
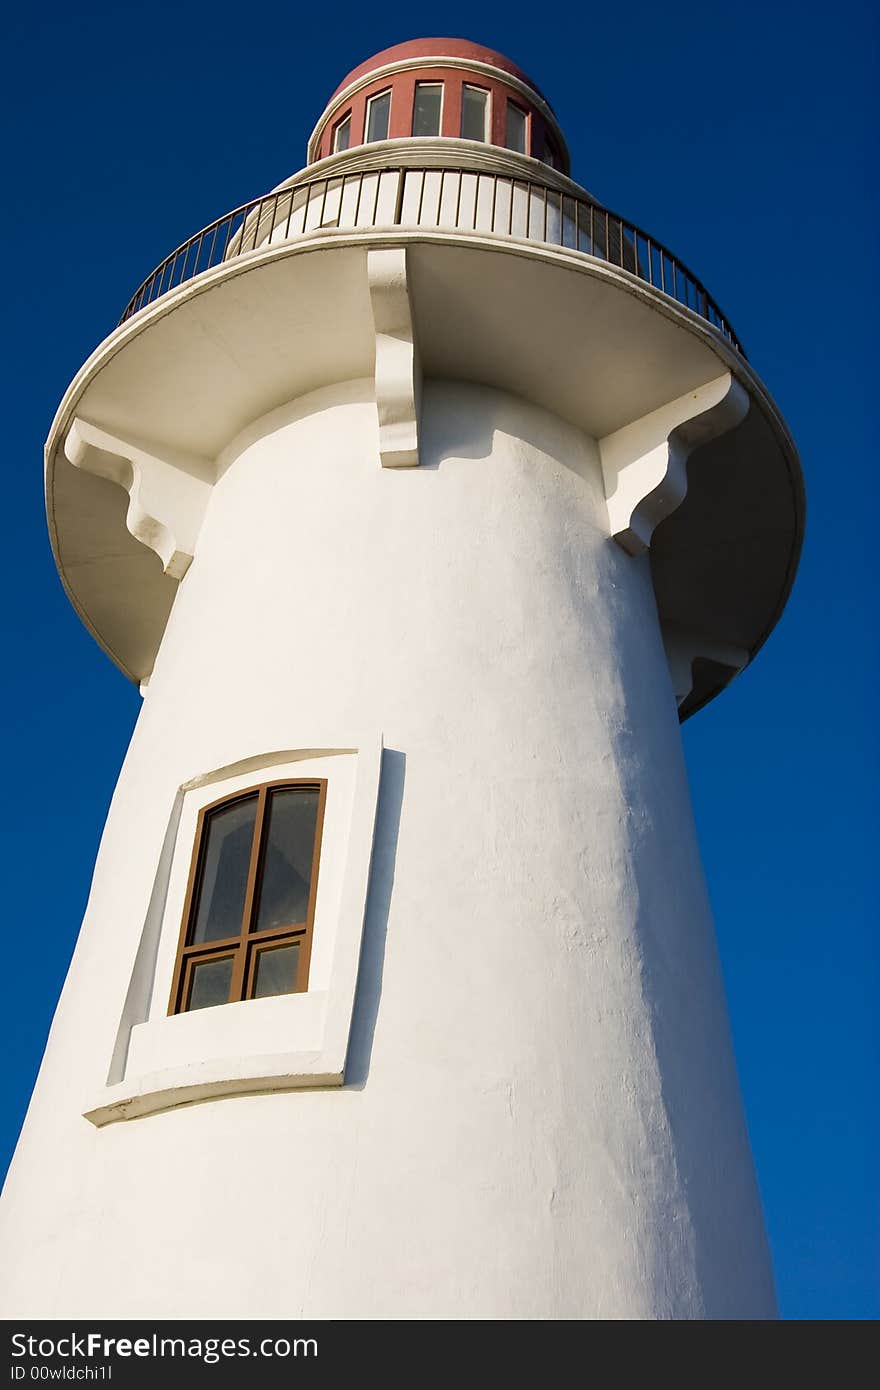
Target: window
(517, 122)
(427, 108)
(342, 134)
(378, 111)
(250, 902)
(550, 155)
(474, 113)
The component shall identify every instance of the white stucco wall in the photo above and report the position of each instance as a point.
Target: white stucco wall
(541, 1117)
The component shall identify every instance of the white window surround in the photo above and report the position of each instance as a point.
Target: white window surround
(522, 122)
(371, 101)
(442, 89)
(280, 1043)
(486, 94)
(340, 126)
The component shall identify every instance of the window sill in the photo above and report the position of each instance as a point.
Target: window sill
(261, 1045)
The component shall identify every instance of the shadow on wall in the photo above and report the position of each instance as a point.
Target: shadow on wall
(451, 431)
(683, 989)
(372, 962)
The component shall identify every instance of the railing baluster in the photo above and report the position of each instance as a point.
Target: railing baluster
(200, 253)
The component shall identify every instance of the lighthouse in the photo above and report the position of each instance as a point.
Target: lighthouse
(423, 497)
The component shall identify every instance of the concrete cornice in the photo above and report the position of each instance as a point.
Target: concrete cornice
(436, 152)
(437, 61)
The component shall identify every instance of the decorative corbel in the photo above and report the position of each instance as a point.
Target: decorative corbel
(167, 492)
(398, 371)
(682, 650)
(644, 464)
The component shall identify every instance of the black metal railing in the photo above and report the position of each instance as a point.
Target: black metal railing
(437, 199)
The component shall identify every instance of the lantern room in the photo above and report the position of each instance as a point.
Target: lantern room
(447, 88)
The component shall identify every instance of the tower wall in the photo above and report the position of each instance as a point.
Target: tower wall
(541, 1116)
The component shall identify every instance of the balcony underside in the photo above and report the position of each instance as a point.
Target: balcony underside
(579, 337)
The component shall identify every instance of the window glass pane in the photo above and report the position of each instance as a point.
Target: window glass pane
(210, 981)
(474, 103)
(426, 110)
(516, 128)
(342, 135)
(276, 971)
(226, 852)
(287, 860)
(378, 110)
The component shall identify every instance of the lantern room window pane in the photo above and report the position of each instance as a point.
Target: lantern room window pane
(517, 121)
(210, 983)
(378, 112)
(474, 113)
(226, 854)
(276, 970)
(427, 108)
(286, 876)
(342, 134)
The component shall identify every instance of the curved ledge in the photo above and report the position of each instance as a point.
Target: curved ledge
(437, 152)
(232, 1076)
(469, 194)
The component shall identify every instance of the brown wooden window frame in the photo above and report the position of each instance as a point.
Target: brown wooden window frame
(246, 948)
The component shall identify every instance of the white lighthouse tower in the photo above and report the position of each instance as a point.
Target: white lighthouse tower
(423, 497)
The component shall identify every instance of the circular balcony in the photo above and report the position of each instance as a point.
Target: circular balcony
(517, 280)
(519, 199)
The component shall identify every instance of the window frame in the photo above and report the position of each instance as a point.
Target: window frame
(527, 126)
(550, 153)
(246, 948)
(486, 137)
(374, 97)
(337, 127)
(429, 82)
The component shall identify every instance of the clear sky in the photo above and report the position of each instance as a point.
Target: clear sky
(740, 136)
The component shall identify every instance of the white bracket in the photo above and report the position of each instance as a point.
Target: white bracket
(682, 650)
(398, 371)
(644, 464)
(167, 492)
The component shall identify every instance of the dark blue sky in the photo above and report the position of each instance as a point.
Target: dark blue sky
(740, 136)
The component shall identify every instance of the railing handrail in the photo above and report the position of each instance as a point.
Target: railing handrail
(652, 261)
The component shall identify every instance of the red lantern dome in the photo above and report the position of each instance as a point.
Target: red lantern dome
(440, 88)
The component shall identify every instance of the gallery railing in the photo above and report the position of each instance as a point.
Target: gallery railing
(437, 199)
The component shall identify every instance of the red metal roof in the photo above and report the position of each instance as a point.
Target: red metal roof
(433, 48)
